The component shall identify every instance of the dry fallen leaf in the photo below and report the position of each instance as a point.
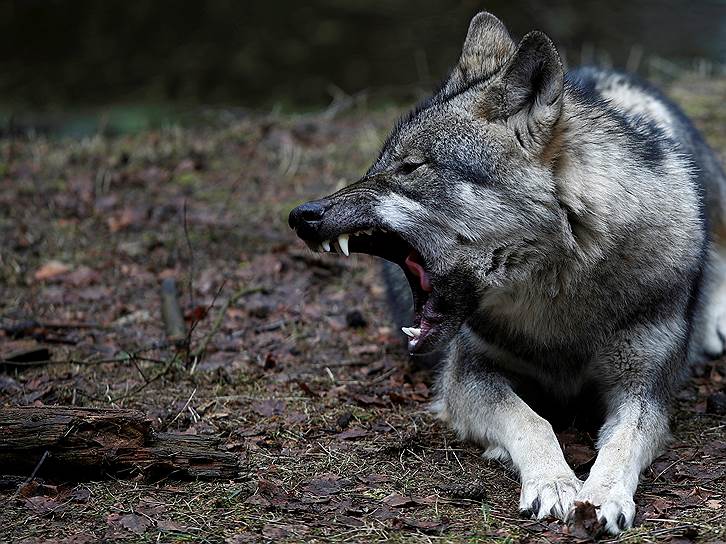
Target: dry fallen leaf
(584, 523)
(269, 408)
(351, 434)
(43, 505)
(135, 523)
(51, 270)
(401, 501)
(328, 484)
(82, 277)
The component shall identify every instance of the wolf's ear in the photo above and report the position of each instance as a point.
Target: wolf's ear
(486, 49)
(528, 93)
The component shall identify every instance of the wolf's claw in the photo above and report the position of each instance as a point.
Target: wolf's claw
(615, 507)
(549, 496)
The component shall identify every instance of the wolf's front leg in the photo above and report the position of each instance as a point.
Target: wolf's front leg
(638, 376)
(481, 406)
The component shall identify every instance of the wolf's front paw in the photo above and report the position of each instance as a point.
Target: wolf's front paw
(614, 505)
(549, 495)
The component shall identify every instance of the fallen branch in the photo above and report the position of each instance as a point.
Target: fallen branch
(79, 443)
(34, 355)
(176, 330)
(28, 327)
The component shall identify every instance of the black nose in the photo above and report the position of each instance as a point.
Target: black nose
(307, 215)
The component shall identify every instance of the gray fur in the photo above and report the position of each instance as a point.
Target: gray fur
(573, 230)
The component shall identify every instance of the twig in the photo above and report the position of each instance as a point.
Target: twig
(193, 358)
(186, 405)
(190, 276)
(134, 360)
(143, 386)
(33, 474)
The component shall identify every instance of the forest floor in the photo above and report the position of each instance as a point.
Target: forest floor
(305, 378)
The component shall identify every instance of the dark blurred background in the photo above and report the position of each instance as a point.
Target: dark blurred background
(76, 55)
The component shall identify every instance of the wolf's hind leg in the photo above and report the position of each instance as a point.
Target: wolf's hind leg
(482, 407)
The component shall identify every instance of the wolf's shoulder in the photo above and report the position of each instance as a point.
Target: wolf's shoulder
(632, 98)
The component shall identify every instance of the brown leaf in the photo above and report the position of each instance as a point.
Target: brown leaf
(344, 419)
(51, 270)
(367, 400)
(579, 454)
(257, 500)
(307, 389)
(401, 501)
(36, 487)
(366, 349)
(689, 535)
(428, 527)
(324, 486)
(43, 505)
(78, 538)
(351, 434)
(134, 523)
(373, 478)
(584, 522)
(661, 505)
(295, 418)
(196, 314)
(277, 531)
(150, 507)
(80, 494)
(94, 293)
(127, 218)
(273, 492)
(82, 276)
(349, 521)
(269, 408)
(169, 525)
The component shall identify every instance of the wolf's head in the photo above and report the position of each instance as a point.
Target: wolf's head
(462, 194)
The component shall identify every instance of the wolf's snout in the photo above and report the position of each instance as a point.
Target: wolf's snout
(306, 218)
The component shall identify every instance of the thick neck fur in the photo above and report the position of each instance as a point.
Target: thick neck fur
(613, 230)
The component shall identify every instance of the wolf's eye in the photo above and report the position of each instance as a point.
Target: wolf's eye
(408, 167)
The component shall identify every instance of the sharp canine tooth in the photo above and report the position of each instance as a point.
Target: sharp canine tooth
(407, 331)
(415, 331)
(326, 245)
(343, 243)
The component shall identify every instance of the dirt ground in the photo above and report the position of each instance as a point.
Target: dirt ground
(292, 361)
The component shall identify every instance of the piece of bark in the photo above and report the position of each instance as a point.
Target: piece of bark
(91, 442)
(176, 330)
(26, 357)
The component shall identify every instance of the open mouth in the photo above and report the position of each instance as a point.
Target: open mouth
(392, 247)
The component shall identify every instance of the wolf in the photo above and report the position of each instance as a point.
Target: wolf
(563, 238)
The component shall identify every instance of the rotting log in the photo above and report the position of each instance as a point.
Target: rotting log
(90, 442)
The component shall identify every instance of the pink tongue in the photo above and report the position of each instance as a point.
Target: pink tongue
(415, 267)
